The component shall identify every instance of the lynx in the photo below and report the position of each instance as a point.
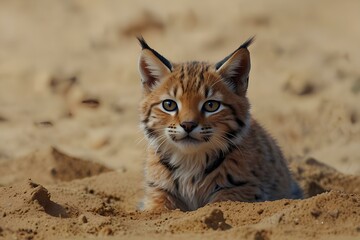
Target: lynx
(204, 145)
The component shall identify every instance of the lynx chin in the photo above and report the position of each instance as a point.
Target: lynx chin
(204, 145)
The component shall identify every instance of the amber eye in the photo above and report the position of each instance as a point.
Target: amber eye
(169, 105)
(211, 106)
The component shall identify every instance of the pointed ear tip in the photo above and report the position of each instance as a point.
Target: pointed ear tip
(248, 42)
(142, 42)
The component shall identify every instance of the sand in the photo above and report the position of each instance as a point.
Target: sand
(72, 154)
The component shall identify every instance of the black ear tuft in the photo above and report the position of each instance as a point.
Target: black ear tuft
(247, 43)
(244, 45)
(142, 42)
(235, 68)
(144, 45)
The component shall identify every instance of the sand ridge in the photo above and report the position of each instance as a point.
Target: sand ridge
(93, 207)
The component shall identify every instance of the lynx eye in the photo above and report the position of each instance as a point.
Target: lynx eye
(211, 106)
(169, 105)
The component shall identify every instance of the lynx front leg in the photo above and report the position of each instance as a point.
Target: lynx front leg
(158, 200)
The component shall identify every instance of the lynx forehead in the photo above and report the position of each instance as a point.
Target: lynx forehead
(204, 146)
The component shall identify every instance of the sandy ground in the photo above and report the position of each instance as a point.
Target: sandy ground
(69, 94)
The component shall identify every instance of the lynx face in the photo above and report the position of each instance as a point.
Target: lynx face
(193, 106)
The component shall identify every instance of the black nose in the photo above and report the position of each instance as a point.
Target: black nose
(188, 126)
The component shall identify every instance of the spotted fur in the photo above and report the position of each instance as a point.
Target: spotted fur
(196, 156)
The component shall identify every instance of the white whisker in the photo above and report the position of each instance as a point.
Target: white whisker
(157, 149)
(139, 140)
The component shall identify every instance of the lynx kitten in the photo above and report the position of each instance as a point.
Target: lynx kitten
(204, 146)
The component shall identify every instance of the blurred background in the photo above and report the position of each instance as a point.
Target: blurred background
(68, 72)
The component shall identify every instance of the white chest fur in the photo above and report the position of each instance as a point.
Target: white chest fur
(188, 177)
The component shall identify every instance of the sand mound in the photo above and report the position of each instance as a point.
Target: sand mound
(105, 205)
(48, 166)
(316, 177)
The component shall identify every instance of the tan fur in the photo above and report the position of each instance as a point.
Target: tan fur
(233, 158)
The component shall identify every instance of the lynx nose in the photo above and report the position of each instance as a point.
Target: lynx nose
(188, 126)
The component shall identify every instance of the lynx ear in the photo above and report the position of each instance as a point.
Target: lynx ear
(152, 66)
(235, 68)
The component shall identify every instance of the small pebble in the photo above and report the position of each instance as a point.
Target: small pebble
(316, 213)
(83, 219)
(334, 213)
(106, 231)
